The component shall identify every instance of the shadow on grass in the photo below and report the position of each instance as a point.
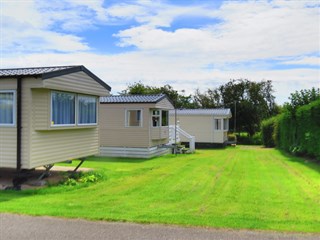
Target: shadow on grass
(308, 162)
(120, 160)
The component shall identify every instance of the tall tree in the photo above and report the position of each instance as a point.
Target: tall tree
(253, 102)
(179, 100)
(300, 98)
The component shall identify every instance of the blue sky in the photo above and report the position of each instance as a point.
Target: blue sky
(188, 44)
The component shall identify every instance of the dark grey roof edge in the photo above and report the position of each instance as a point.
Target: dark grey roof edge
(28, 68)
(73, 70)
(161, 97)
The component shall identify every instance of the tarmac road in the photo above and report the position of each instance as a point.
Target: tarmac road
(13, 227)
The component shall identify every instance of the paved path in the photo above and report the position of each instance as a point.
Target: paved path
(13, 227)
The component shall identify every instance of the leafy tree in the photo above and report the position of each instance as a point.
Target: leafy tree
(180, 101)
(253, 102)
(301, 98)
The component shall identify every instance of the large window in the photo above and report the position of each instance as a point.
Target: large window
(160, 118)
(63, 108)
(133, 118)
(69, 109)
(87, 110)
(7, 108)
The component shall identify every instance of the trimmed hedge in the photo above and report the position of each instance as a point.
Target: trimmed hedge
(298, 133)
(267, 132)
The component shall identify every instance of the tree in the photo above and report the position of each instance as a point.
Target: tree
(301, 98)
(253, 102)
(180, 101)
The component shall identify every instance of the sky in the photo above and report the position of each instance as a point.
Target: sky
(187, 44)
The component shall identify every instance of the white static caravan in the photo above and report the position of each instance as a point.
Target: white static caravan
(208, 126)
(48, 115)
(134, 126)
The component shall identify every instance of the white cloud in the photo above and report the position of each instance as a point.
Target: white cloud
(248, 31)
(313, 61)
(25, 29)
(186, 58)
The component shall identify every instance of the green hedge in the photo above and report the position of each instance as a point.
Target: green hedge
(298, 133)
(267, 132)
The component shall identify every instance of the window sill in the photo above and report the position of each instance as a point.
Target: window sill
(54, 128)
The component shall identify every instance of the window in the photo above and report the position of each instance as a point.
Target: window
(160, 118)
(63, 108)
(164, 118)
(134, 118)
(217, 124)
(226, 124)
(7, 108)
(156, 118)
(87, 110)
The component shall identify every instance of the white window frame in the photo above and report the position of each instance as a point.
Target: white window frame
(167, 118)
(156, 115)
(141, 117)
(225, 124)
(221, 124)
(78, 110)
(13, 124)
(75, 110)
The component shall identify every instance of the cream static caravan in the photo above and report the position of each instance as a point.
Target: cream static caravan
(208, 126)
(135, 126)
(48, 115)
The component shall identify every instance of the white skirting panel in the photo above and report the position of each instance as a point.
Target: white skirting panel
(133, 152)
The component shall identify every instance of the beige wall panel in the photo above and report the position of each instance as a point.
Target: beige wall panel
(8, 135)
(40, 109)
(76, 82)
(8, 147)
(60, 145)
(26, 117)
(8, 84)
(199, 126)
(164, 104)
(218, 136)
(159, 133)
(113, 130)
(124, 137)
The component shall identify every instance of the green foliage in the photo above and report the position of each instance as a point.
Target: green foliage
(179, 100)
(254, 102)
(267, 132)
(82, 177)
(301, 98)
(245, 139)
(232, 137)
(299, 133)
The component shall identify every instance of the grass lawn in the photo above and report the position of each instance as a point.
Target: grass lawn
(242, 187)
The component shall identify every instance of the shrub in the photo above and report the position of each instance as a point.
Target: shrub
(267, 132)
(80, 177)
(246, 139)
(299, 132)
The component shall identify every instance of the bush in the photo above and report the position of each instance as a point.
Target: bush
(232, 137)
(246, 139)
(267, 132)
(299, 132)
(80, 177)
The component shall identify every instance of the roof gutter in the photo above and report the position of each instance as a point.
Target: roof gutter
(19, 122)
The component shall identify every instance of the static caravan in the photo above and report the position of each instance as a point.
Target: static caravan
(208, 126)
(135, 126)
(48, 115)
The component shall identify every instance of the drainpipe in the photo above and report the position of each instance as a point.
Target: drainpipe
(19, 127)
